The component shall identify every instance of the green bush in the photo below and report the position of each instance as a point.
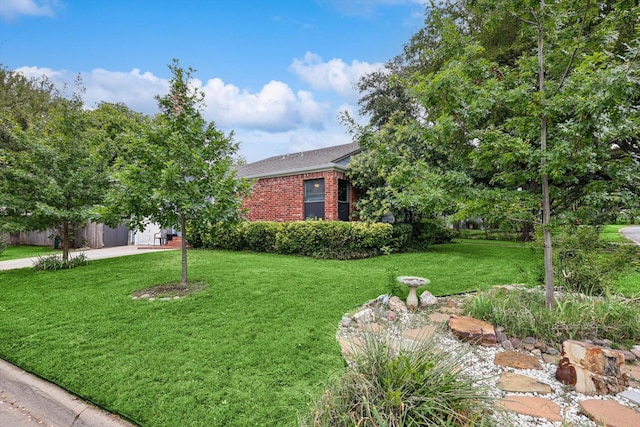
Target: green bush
(587, 263)
(322, 239)
(421, 386)
(55, 262)
(430, 232)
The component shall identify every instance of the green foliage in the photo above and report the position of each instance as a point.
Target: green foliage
(56, 262)
(321, 239)
(584, 267)
(421, 386)
(178, 170)
(522, 312)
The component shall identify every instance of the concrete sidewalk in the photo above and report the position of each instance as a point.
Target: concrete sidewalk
(27, 400)
(632, 233)
(91, 254)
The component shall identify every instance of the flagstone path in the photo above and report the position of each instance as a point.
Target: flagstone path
(523, 381)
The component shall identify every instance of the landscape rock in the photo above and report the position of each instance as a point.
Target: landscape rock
(515, 342)
(473, 330)
(533, 406)
(439, 317)
(536, 352)
(391, 316)
(632, 371)
(591, 369)
(609, 413)
(346, 321)
(529, 343)
(397, 305)
(427, 299)
(635, 352)
(420, 334)
(552, 351)
(628, 356)
(512, 382)
(365, 316)
(351, 346)
(631, 395)
(514, 359)
(550, 358)
(506, 344)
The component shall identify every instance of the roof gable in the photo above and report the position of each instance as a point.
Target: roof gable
(336, 157)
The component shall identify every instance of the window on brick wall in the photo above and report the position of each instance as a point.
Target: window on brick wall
(343, 200)
(314, 199)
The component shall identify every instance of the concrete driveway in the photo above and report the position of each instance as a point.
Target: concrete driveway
(632, 233)
(91, 254)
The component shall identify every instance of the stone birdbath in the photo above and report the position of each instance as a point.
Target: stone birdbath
(413, 283)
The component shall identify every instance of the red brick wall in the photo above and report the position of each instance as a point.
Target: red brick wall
(282, 198)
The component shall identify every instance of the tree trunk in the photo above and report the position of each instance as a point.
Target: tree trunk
(66, 240)
(183, 229)
(546, 203)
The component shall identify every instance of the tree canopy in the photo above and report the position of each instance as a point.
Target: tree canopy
(505, 110)
(179, 169)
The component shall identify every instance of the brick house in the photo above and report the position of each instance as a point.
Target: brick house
(299, 186)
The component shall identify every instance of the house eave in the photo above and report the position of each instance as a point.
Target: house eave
(299, 171)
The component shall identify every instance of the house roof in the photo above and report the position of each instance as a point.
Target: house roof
(330, 158)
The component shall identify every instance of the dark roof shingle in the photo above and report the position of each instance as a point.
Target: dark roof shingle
(305, 161)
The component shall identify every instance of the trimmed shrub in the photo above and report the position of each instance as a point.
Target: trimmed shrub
(430, 232)
(321, 239)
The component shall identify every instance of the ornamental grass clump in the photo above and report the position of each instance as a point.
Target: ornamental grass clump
(56, 262)
(522, 312)
(425, 385)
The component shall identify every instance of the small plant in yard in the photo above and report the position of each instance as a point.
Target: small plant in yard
(522, 312)
(421, 386)
(55, 262)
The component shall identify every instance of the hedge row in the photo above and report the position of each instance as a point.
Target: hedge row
(321, 239)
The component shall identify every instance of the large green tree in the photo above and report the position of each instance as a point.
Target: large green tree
(543, 134)
(52, 175)
(179, 170)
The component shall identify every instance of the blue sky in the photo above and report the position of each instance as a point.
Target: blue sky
(277, 73)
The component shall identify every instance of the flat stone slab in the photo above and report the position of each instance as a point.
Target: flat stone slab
(439, 317)
(631, 395)
(632, 371)
(421, 334)
(517, 383)
(472, 330)
(450, 310)
(513, 359)
(351, 347)
(373, 328)
(608, 413)
(538, 407)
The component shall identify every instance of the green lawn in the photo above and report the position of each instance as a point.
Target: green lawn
(24, 251)
(611, 233)
(254, 348)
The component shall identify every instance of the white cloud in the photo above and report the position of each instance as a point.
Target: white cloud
(335, 75)
(275, 108)
(11, 9)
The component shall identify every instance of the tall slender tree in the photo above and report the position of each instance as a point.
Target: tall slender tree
(179, 169)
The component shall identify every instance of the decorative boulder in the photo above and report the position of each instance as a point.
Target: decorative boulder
(591, 369)
(427, 299)
(397, 305)
(473, 330)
